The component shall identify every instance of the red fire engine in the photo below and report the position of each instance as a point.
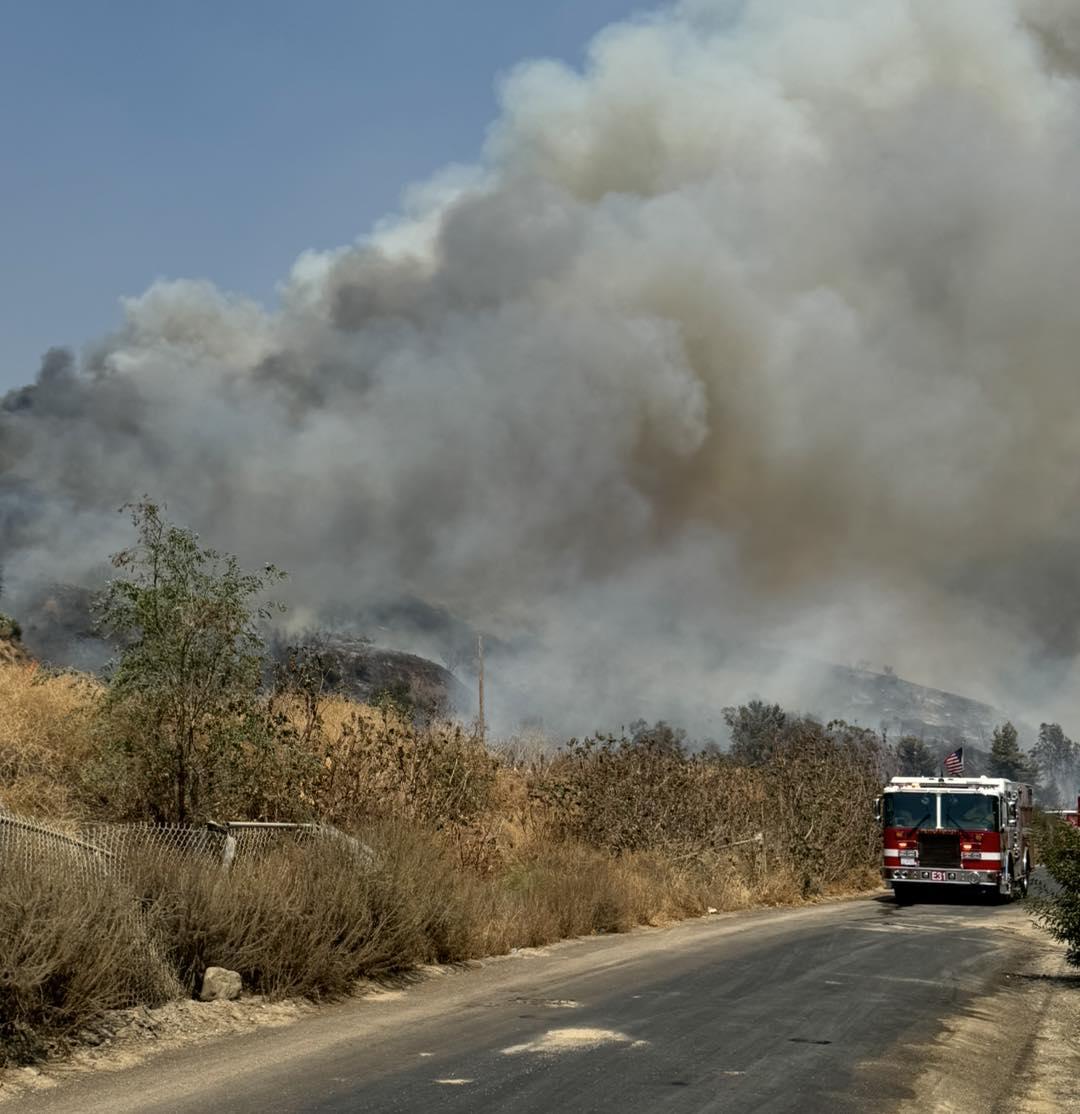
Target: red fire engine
(956, 831)
(1071, 816)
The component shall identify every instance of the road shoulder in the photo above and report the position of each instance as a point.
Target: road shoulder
(1022, 1040)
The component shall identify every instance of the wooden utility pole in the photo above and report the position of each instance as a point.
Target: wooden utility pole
(480, 674)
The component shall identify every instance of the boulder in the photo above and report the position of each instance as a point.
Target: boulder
(220, 985)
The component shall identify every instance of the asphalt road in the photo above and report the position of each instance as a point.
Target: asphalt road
(831, 1008)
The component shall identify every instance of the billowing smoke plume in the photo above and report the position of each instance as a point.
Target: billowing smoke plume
(761, 331)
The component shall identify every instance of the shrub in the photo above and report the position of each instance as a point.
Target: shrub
(46, 740)
(70, 947)
(1059, 909)
(819, 788)
(625, 794)
(377, 764)
(550, 891)
(811, 800)
(309, 920)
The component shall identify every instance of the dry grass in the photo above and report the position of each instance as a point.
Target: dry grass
(69, 949)
(46, 739)
(310, 920)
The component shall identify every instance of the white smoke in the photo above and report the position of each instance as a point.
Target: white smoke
(760, 330)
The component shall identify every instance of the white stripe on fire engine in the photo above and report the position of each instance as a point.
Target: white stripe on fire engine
(986, 856)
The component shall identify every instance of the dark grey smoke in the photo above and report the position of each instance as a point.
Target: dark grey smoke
(759, 331)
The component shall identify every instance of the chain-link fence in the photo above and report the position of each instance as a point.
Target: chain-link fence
(103, 850)
(33, 845)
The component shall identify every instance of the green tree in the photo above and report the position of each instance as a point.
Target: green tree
(1058, 759)
(183, 702)
(1006, 758)
(756, 729)
(914, 758)
(660, 735)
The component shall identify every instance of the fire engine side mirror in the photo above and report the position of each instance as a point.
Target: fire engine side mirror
(877, 809)
(1012, 811)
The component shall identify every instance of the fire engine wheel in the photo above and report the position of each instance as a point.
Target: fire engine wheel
(1024, 877)
(1018, 879)
(904, 892)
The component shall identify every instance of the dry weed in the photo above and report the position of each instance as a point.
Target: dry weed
(70, 948)
(310, 920)
(46, 738)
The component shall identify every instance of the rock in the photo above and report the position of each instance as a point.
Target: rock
(220, 985)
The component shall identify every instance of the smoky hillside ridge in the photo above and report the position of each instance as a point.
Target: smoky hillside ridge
(60, 631)
(369, 673)
(883, 700)
(420, 653)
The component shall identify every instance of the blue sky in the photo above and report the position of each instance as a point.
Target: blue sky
(141, 139)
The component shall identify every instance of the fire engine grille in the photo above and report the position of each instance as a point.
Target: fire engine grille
(939, 849)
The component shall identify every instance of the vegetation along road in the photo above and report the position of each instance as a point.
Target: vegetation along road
(848, 1006)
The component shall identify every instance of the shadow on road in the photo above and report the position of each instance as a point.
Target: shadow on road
(941, 895)
(1071, 982)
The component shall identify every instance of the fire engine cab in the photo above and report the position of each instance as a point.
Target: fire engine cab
(956, 831)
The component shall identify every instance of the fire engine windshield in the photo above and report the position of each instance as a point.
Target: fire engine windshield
(910, 810)
(969, 812)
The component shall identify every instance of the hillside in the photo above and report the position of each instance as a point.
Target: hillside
(364, 672)
(885, 701)
(58, 629)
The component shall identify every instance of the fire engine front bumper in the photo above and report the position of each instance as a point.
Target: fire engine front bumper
(955, 875)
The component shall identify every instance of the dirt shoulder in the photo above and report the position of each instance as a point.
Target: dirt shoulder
(123, 1038)
(1021, 1040)
(1050, 1080)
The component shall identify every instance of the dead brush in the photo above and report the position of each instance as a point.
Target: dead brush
(552, 890)
(71, 947)
(809, 804)
(46, 739)
(375, 763)
(623, 795)
(309, 920)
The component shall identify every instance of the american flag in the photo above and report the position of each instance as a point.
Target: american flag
(954, 763)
